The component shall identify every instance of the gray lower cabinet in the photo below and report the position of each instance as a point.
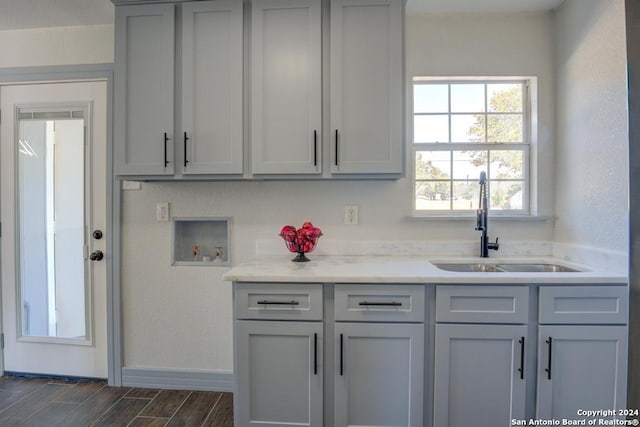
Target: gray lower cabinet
(278, 373)
(379, 374)
(581, 367)
(479, 375)
(480, 355)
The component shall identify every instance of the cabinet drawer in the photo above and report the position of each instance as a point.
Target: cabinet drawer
(583, 304)
(379, 303)
(482, 304)
(281, 301)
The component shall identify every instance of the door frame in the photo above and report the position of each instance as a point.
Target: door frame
(74, 73)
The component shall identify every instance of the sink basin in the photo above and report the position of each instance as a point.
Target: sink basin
(536, 268)
(500, 268)
(470, 268)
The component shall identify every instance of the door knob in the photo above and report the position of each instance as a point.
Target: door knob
(96, 256)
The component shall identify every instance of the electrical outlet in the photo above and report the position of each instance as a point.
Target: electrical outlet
(162, 212)
(350, 214)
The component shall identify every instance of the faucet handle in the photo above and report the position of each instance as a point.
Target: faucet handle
(495, 246)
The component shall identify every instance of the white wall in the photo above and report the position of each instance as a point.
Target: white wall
(592, 141)
(180, 317)
(56, 46)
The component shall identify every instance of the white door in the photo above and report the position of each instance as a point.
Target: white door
(54, 198)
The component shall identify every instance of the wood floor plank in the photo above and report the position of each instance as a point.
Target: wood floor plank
(12, 391)
(222, 413)
(50, 414)
(81, 392)
(31, 403)
(92, 409)
(122, 413)
(143, 393)
(195, 409)
(165, 404)
(149, 422)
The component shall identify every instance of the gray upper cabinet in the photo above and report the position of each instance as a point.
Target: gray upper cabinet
(366, 86)
(286, 86)
(212, 87)
(209, 139)
(144, 97)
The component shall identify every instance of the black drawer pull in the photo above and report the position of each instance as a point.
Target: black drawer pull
(166, 138)
(381, 304)
(186, 139)
(341, 355)
(548, 370)
(266, 302)
(336, 158)
(315, 148)
(315, 354)
(521, 368)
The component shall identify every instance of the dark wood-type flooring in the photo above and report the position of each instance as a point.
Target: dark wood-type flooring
(54, 403)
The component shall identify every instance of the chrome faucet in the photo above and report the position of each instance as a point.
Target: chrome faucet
(482, 223)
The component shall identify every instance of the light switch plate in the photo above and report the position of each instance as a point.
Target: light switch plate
(162, 212)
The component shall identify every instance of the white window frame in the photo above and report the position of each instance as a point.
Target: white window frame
(527, 147)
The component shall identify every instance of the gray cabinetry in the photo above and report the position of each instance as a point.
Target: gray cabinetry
(286, 86)
(582, 350)
(144, 97)
(205, 137)
(366, 86)
(379, 365)
(278, 357)
(480, 359)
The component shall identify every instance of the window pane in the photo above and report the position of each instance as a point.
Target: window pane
(504, 98)
(433, 195)
(506, 164)
(467, 128)
(430, 98)
(467, 98)
(506, 195)
(431, 128)
(433, 164)
(465, 195)
(468, 164)
(504, 128)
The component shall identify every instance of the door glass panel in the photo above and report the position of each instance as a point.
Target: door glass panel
(51, 227)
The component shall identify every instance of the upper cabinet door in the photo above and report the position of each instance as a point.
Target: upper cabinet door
(211, 139)
(144, 92)
(286, 86)
(366, 86)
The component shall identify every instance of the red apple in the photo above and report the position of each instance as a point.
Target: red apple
(307, 224)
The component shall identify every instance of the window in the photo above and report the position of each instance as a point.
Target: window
(463, 127)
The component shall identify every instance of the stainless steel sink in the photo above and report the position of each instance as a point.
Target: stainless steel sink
(506, 267)
(470, 268)
(536, 268)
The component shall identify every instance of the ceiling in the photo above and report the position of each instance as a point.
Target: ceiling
(21, 14)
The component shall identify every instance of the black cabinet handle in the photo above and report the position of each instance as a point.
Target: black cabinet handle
(96, 256)
(521, 369)
(267, 302)
(186, 138)
(383, 304)
(548, 370)
(336, 158)
(166, 138)
(341, 355)
(315, 354)
(315, 148)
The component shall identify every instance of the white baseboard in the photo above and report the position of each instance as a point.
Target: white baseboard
(177, 379)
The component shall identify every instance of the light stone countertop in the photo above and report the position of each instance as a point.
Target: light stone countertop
(406, 269)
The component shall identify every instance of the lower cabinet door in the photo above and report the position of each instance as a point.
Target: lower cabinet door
(379, 374)
(581, 368)
(479, 375)
(278, 373)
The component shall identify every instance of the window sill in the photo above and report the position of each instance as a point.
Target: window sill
(472, 217)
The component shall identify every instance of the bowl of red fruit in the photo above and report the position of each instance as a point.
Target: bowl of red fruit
(302, 240)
